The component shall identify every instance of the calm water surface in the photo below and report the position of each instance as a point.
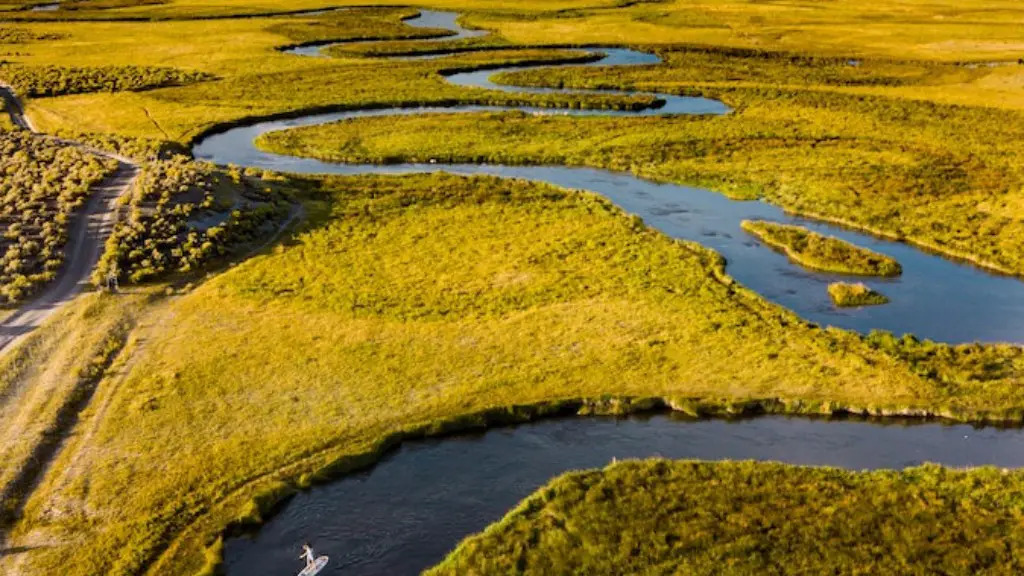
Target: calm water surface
(409, 511)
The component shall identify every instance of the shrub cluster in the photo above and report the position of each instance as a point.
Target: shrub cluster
(40, 81)
(42, 183)
(10, 35)
(983, 365)
(161, 234)
(847, 295)
(137, 148)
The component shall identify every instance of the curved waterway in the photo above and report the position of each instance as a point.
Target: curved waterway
(935, 297)
(406, 513)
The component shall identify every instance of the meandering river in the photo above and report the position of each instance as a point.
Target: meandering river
(407, 512)
(935, 297)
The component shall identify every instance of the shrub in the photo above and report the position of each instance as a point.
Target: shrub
(851, 295)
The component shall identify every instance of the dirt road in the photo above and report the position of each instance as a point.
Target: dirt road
(89, 231)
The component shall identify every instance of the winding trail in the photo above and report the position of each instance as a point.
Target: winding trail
(88, 233)
(922, 297)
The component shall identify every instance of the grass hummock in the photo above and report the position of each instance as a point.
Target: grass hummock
(819, 252)
(686, 517)
(846, 295)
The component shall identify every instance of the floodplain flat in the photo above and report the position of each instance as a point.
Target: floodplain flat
(335, 228)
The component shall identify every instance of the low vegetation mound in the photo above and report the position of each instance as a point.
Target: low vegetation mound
(14, 35)
(353, 25)
(42, 81)
(73, 5)
(846, 295)
(42, 184)
(183, 214)
(819, 252)
(684, 517)
(385, 49)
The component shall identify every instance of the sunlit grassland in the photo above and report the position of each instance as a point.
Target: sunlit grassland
(258, 80)
(685, 517)
(254, 78)
(414, 300)
(423, 299)
(944, 30)
(895, 168)
(947, 29)
(53, 368)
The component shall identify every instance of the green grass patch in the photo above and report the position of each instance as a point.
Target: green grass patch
(824, 253)
(846, 295)
(354, 25)
(683, 517)
(408, 303)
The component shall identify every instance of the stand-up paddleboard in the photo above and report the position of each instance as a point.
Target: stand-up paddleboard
(317, 566)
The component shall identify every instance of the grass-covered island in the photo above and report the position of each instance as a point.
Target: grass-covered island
(819, 252)
(685, 517)
(846, 295)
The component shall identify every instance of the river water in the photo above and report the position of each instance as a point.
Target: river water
(407, 512)
(934, 298)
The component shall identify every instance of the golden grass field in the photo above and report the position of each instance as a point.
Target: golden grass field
(422, 304)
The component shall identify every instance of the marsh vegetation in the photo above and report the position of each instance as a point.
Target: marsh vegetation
(847, 295)
(748, 517)
(413, 301)
(818, 252)
(420, 302)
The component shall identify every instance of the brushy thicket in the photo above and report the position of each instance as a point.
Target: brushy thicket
(846, 295)
(42, 183)
(160, 236)
(685, 517)
(42, 81)
(9, 35)
(138, 149)
(819, 252)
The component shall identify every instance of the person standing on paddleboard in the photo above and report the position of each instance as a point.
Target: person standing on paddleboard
(307, 553)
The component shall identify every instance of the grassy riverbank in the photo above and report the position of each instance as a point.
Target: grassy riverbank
(861, 136)
(895, 167)
(425, 304)
(660, 516)
(413, 301)
(818, 252)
